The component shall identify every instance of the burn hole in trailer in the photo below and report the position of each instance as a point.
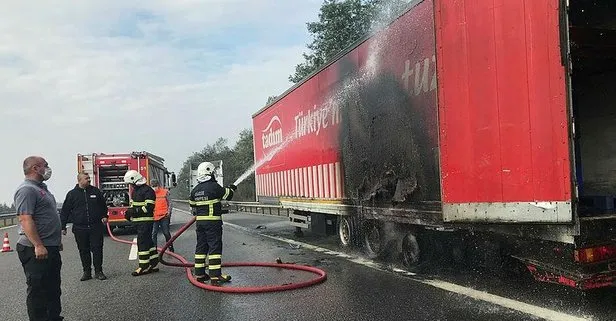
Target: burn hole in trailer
(111, 183)
(592, 36)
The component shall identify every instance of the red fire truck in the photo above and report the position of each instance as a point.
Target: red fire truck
(485, 131)
(107, 173)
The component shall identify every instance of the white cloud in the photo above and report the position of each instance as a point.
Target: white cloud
(162, 76)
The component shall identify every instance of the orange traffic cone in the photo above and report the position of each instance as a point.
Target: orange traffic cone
(6, 247)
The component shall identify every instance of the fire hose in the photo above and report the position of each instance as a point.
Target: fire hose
(322, 276)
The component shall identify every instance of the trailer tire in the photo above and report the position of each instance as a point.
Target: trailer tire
(410, 251)
(348, 231)
(374, 241)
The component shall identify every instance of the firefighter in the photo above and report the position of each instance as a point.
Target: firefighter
(141, 212)
(206, 206)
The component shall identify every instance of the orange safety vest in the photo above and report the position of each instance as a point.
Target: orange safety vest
(161, 209)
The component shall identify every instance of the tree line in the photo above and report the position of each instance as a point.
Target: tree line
(236, 160)
(341, 23)
(5, 209)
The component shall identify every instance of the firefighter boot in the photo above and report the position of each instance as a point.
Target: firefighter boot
(218, 280)
(202, 278)
(140, 271)
(152, 268)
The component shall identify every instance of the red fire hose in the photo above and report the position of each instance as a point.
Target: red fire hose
(322, 276)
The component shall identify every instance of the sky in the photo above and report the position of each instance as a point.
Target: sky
(163, 76)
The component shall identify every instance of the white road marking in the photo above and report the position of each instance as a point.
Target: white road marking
(502, 301)
(447, 286)
(133, 251)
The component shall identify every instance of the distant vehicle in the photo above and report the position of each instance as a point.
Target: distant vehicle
(192, 180)
(107, 173)
(219, 175)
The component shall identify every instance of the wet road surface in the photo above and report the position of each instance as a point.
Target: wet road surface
(356, 289)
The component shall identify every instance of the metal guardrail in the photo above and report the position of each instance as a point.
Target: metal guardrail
(8, 219)
(254, 207)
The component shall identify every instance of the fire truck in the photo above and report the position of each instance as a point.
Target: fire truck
(480, 131)
(107, 173)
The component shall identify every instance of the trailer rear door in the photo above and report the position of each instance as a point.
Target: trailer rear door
(503, 115)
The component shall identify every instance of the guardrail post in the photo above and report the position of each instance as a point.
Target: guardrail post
(8, 217)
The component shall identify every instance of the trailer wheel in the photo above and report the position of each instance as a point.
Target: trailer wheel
(345, 231)
(374, 241)
(349, 231)
(410, 251)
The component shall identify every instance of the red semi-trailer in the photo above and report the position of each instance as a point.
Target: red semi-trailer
(478, 127)
(107, 173)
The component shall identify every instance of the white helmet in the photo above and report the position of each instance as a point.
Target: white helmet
(205, 171)
(134, 177)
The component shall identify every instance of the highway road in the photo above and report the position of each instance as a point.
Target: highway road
(356, 288)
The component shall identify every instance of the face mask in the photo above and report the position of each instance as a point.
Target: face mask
(47, 174)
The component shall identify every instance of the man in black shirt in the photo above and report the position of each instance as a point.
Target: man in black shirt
(86, 208)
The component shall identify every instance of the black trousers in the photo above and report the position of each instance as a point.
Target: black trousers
(43, 279)
(209, 245)
(148, 255)
(90, 245)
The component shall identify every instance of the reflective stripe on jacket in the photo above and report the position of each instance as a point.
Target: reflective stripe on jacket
(143, 201)
(205, 200)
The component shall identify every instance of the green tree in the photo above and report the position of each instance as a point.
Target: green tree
(4, 208)
(211, 152)
(235, 162)
(385, 11)
(271, 99)
(243, 161)
(240, 161)
(341, 23)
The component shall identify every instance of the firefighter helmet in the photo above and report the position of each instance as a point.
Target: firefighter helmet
(133, 177)
(205, 171)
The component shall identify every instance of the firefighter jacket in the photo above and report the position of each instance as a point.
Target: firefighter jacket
(205, 200)
(84, 207)
(142, 204)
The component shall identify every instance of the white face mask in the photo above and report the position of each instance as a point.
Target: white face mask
(47, 174)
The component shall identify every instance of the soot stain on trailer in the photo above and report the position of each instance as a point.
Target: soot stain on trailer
(378, 141)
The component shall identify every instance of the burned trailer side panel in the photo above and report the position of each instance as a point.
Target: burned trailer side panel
(362, 132)
(389, 130)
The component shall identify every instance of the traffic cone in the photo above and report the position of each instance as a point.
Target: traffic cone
(6, 247)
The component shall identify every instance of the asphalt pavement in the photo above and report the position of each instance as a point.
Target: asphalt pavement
(356, 289)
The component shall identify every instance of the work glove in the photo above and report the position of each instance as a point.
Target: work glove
(233, 187)
(130, 212)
